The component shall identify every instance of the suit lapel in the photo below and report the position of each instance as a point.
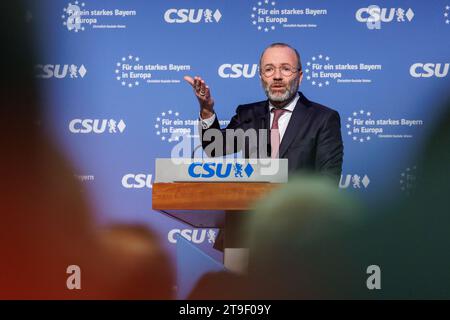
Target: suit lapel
(297, 123)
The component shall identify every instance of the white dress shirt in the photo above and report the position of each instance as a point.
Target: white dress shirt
(282, 122)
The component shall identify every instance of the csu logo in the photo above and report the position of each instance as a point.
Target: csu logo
(374, 15)
(220, 170)
(137, 181)
(354, 181)
(427, 70)
(192, 15)
(96, 126)
(59, 71)
(228, 70)
(192, 235)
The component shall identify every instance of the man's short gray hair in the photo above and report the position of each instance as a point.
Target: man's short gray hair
(281, 44)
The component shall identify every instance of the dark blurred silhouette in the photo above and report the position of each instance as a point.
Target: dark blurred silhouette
(297, 237)
(142, 267)
(46, 225)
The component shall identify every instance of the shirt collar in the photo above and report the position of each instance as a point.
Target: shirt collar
(290, 106)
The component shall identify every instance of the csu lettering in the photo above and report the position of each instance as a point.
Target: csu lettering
(195, 236)
(220, 170)
(192, 15)
(137, 181)
(208, 170)
(427, 70)
(96, 126)
(228, 70)
(60, 71)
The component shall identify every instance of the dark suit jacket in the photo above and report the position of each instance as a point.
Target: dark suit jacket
(312, 141)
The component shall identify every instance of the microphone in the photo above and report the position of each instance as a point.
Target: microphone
(195, 149)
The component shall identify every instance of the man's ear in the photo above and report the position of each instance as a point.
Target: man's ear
(300, 76)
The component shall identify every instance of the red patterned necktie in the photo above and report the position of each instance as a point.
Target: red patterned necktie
(275, 133)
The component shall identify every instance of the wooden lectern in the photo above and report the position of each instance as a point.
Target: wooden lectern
(210, 204)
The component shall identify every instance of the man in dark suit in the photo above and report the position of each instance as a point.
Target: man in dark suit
(306, 133)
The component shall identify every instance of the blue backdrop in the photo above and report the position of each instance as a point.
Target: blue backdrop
(112, 73)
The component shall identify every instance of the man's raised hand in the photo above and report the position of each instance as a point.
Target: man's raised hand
(203, 95)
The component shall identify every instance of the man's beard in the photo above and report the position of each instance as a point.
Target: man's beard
(289, 93)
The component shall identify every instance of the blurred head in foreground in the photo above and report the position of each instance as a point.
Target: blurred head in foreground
(46, 224)
(141, 267)
(297, 234)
